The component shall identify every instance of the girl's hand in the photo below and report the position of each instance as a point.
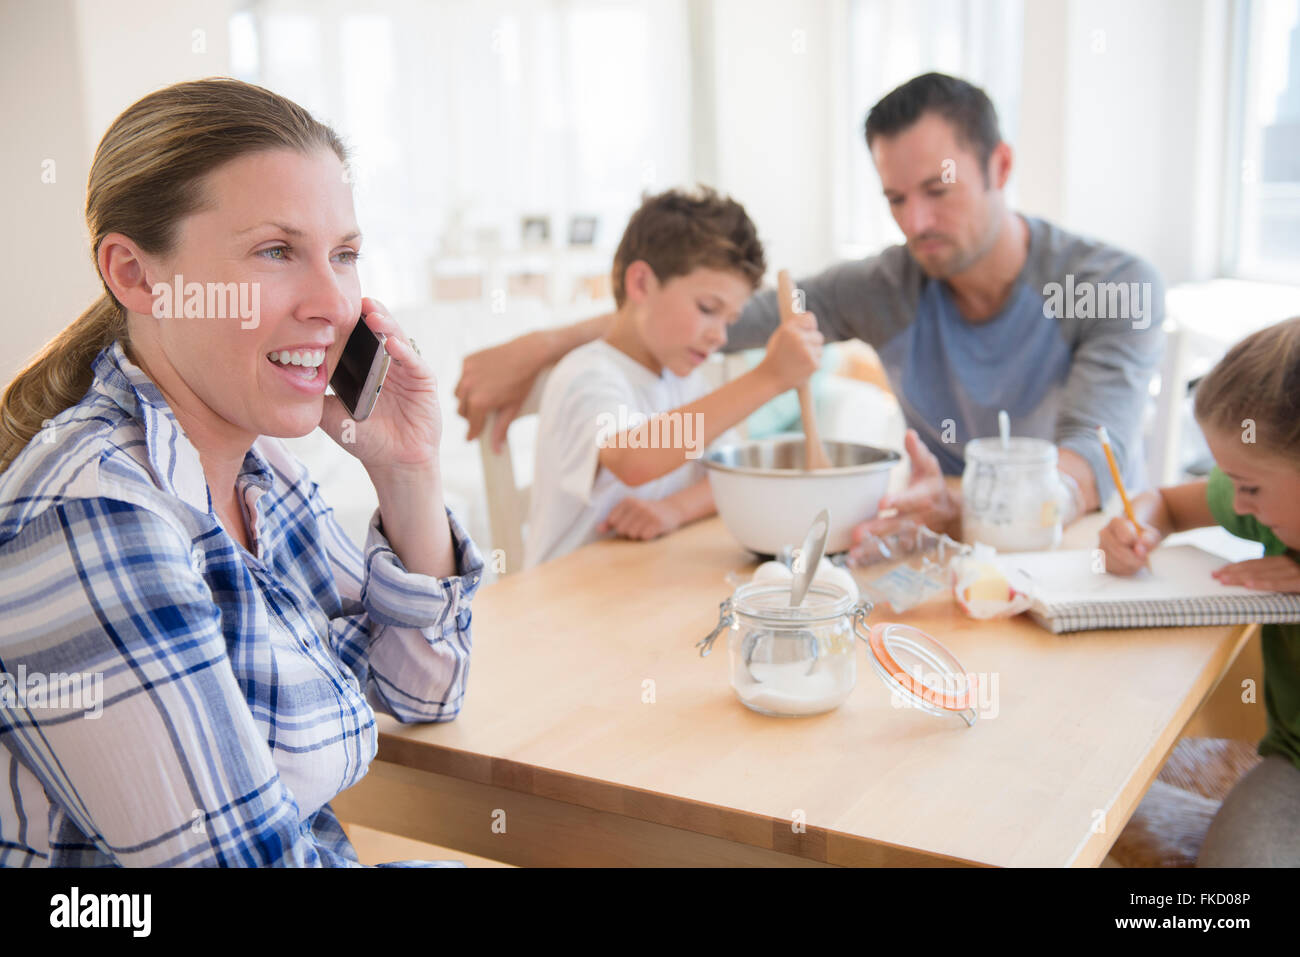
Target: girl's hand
(1274, 573)
(641, 518)
(405, 427)
(1126, 552)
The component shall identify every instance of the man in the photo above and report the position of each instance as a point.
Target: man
(982, 309)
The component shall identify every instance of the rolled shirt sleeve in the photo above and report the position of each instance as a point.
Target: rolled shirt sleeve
(1109, 379)
(405, 636)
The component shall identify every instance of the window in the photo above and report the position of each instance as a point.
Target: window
(467, 117)
(1263, 184)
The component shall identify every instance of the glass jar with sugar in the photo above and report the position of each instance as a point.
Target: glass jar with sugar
(790, 661)
(787, 662)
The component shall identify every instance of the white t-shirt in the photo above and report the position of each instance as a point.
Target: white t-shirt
(595, 392)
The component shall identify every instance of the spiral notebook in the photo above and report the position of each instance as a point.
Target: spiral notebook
(1178, 590)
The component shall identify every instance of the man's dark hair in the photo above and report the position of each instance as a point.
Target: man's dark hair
(962, 104)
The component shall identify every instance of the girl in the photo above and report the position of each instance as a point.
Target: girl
(1248, 406)
(161, 547)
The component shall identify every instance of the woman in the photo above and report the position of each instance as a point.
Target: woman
(158, 543)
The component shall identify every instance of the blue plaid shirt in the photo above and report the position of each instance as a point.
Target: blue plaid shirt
(236, 690)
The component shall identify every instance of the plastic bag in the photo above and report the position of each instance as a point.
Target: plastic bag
(914, 563)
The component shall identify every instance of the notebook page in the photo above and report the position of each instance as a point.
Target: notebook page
(1177, 571)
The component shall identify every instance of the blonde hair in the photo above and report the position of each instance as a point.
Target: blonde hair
(146, 177)
(1257, 383)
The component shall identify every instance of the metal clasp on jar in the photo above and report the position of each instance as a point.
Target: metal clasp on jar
(725, 620)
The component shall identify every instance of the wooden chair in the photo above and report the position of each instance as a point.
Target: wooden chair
(507, 503)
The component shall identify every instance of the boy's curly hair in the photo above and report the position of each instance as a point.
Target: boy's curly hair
(677, 232)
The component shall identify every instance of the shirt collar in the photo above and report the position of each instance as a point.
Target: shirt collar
(172, 457)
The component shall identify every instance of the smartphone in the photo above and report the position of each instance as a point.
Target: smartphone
(360, 372)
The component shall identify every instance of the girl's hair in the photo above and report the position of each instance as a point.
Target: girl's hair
(1258, 382)
(146, 177)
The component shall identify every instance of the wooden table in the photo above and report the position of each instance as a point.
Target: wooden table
(593, 733)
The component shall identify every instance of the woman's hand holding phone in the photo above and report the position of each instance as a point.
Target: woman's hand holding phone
(405, 427)
(398, 445)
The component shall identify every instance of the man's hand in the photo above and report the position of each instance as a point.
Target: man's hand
(641, 518)
(925, 500)
(1274, 573)
(498, 380)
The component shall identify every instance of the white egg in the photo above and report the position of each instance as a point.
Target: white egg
(840, 578)
(773, 572)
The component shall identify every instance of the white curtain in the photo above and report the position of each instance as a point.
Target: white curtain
(465, 116)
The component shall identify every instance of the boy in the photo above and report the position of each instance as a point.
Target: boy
(625, 419)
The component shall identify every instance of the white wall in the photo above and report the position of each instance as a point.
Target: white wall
(46, 267)
(132, 47)
(70, 66)
(1039, 147)
(772, 73)
(1123, 125)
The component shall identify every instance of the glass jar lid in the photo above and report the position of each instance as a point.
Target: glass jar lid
(920, 669)
(1019, 452)
(769, 603)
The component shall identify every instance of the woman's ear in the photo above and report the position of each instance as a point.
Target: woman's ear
(128, 273)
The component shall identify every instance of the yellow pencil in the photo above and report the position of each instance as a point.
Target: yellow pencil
(1119, 483)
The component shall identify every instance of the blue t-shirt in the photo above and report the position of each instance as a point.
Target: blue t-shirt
(954, 376)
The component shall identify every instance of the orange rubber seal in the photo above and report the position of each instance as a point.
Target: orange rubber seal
(948, 702)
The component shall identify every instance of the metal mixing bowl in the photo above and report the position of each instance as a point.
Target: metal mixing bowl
(767, 500)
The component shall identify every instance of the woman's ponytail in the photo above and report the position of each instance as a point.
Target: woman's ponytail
(58, 377)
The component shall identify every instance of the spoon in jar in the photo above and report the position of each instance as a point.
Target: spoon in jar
(814, 544)
(806, 561)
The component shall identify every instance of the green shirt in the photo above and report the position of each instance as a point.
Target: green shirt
(1280, 644)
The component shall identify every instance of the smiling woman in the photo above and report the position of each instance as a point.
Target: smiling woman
(156, 533)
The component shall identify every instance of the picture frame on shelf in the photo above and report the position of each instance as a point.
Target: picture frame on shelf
(582, 230)
(535, 231)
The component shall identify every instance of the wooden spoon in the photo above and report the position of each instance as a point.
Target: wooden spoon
(814, 455)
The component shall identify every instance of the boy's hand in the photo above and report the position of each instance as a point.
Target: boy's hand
(1126, 552)
(794, 350)
(1274, 573)
(641, 518)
